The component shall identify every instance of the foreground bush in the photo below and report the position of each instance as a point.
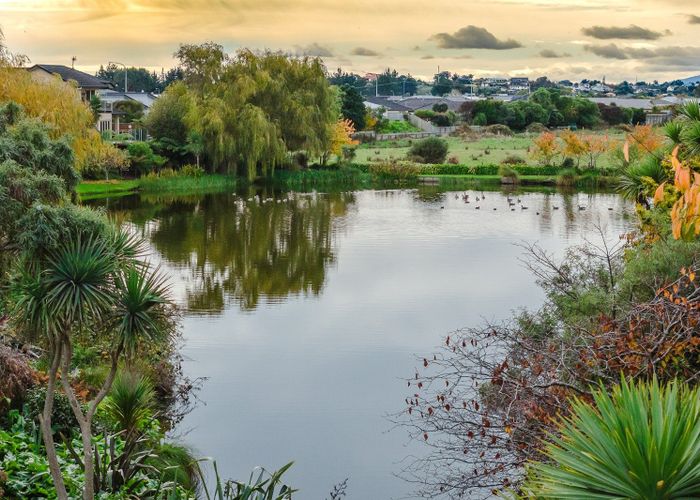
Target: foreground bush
(430, 150)
(642, 441)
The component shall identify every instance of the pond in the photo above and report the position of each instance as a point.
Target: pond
(305, 311)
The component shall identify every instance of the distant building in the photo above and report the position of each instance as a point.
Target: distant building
(111, 119)
(87, 85)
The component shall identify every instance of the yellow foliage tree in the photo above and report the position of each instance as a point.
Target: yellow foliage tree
(574, 147)
(594, 146)
(545, 148)
(341, 136)
(55, 103)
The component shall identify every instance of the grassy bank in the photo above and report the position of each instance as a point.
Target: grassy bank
(89, 190)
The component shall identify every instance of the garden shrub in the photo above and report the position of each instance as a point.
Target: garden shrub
(394, 170)
(507, 172)
(498, 129)
(513, 160)
(430, 150)
(143, 159)
(16, 376)
(536, 128)
(192, 171)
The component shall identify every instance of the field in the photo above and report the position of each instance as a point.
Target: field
(482, 151)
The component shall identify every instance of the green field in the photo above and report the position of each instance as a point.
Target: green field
(482, 151)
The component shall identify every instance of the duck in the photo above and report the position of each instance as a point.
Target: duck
(555, 207)
(581, 207)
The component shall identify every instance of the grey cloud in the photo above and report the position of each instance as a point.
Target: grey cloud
(428, 56)
(663, 57)
(473, 37)
(363, 51)
(611, 51)
(692, 19)
(631, 32)
(550, 54)
(314, 49)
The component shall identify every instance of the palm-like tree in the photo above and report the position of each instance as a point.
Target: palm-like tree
(94, 285)
(642, 441)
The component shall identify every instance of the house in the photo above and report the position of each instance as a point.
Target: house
(87, 85)
(111, 118)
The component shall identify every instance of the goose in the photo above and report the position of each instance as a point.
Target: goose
(610, 208)
(442, 207)
(477, 207)
(555, 207)
(477, 198)
(581, 207)
(523, 207)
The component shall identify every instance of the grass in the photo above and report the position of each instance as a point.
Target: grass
(97, 189)
(89, 190)
(482, 151)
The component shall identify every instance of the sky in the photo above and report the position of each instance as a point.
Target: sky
(575, 39)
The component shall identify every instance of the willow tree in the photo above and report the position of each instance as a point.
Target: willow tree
(251, 110)
(53, 102)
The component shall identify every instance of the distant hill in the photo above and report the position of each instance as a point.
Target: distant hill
(692, 80)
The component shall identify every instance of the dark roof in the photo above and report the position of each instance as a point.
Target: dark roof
(84, 80)
(386, 103)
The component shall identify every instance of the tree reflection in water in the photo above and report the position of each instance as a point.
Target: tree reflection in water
(238, 250)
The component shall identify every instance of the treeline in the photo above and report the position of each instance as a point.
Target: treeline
(551, 108)
(139, 79)
(249, 113)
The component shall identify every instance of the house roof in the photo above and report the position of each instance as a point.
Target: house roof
(386, 103)
(145, 98)
(84, 80)
(623, 102)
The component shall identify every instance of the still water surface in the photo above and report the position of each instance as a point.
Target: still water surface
(305, 314)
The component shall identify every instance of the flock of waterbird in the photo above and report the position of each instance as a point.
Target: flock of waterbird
(512, 202)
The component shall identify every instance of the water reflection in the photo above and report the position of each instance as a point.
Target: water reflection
(242, 249)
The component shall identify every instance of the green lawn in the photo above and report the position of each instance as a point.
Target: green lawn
(482, 151)
(175, 184)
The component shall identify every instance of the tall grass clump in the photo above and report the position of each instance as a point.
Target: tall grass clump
(640, 441)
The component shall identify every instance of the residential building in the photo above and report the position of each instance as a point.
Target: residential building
(87, 85)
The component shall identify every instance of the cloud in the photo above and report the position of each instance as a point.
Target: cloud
(428, 56)
(473, 37)
(315, 50)
(363, 51)
(611, 51)
(631, 32)
(692, 19)
(550, 54)
(661, 57)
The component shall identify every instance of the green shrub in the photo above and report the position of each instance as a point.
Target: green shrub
(62, 416)
(513, 160)
(507, 172)
(498, 129)
(430, 150)
(143, 159)
(567, 177)
(640, 441)
(536, 128)
(394, 170)
(192, 171)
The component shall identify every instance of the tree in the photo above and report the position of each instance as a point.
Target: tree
(342, 137)
(138, 79)
(430, 150)
(353, 107)
(133, 110)
(545, 148)
(574, 147)
(168, 121)
(253, 109)
(89, 284)
(202, 65)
